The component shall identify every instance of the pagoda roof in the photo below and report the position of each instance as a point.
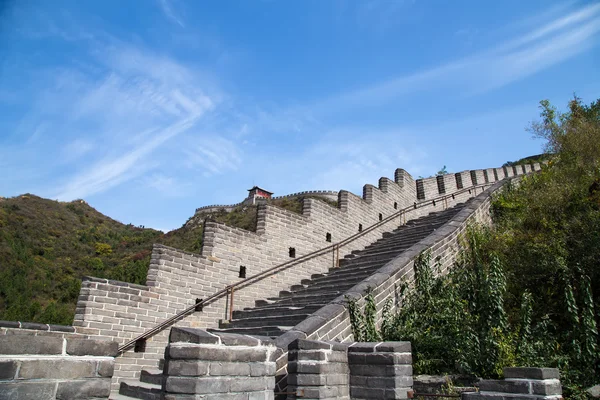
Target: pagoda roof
(259, 188)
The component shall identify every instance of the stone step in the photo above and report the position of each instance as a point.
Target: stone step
(306, 299)
(270, 320)
(153, 376)
(140, 390)
(270, 331)
(268, 310)
(118, 396)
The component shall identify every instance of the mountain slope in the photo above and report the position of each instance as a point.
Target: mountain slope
(47, 246)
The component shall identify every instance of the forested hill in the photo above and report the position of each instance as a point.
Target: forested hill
(47, 246)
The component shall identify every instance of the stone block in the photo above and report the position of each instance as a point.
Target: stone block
(89, 347)
(250, 384)
(30, 345)
(260, 369)
(187, 368)
(548, 387)
(27, 390)
(531, 373)
(106, 368)
(305, 344)
(83, 389)
(217, 354)
(56, 369)
(229, 368)
(8, 369)
(504, 386)
(203, 385)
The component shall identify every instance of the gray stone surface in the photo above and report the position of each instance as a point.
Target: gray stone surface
(84, 389)
(88, 347)
(30, 345)
(531, 373)
(27, 390)
(8, 369)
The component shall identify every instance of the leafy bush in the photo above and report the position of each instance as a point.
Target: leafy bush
(527, 291)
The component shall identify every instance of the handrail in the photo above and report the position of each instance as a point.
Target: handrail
(291, 263)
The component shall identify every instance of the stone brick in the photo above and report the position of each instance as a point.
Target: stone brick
(217, 354)
(83, 389)
(88, 347)
(531, 373)
(30, 345)
(548, 387)
(8, 369)
(56, 369)
(504, 386)
(187, 368)
(106, 368)
(203, 385)
(27, 390)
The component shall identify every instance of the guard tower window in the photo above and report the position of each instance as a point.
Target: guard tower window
(292, 252)
(380, 216)
(395, 205)
(328, 237)
(242, 271)
(360, 227)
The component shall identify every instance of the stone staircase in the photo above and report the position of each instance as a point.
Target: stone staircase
(275, 316)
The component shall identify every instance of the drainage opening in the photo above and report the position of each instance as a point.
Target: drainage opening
(292, 252)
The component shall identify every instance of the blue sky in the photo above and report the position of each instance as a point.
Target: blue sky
(149, 109)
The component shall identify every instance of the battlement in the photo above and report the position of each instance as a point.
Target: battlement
(176, 279)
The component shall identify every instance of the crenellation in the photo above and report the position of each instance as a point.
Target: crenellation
(176, 278)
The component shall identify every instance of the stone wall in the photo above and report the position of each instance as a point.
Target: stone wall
(218, 366)
(521, 383)
(52, 362)
(225, 366)
(122, 311)
(332, 322)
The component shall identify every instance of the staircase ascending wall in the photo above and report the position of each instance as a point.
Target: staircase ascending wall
(275, 316)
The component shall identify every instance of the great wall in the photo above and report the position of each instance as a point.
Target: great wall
(263, 315)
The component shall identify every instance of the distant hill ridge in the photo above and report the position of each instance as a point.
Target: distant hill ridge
(47, 246)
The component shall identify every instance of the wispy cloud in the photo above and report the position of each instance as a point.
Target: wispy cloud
(516, 58)
(167, 9)
(167, 186)
(213, 155)
(116, 106)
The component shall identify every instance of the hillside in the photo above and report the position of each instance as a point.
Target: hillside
(47, 246)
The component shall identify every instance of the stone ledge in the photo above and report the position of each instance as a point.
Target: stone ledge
(531, 373)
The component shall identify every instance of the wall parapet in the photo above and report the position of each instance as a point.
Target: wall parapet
(50, 364)
(177, 279)
(519, 383)
(332, 321)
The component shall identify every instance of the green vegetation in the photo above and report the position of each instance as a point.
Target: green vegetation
(527, 291)
(46, 247)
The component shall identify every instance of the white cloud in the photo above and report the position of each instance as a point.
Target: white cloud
(167, 186)
(167, 8)
(213, 155)
(514, 59)
(77, 148)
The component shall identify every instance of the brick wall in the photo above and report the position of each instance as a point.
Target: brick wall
(47, 362)
(332, 322)
(122, 311)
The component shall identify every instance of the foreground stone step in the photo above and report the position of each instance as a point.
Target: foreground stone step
(277, 309)
(275, 315)
(270, 331)
(268, 320)
(140, 390)
(152, 376)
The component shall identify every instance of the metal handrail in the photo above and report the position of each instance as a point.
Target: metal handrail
(288, 264)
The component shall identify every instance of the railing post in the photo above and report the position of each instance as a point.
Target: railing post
(231, 303)
(337, 253)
